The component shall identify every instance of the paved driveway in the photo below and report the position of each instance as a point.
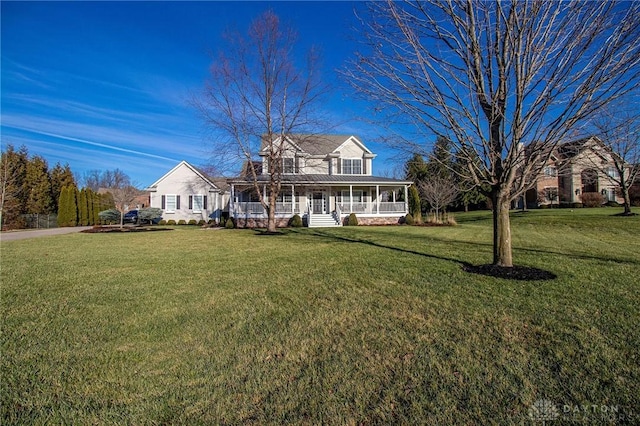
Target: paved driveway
(34, 233)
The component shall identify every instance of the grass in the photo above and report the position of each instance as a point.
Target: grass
(354, 325)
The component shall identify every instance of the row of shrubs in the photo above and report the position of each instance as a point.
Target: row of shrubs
(296, 221)
(192, 222)
(578, 205)
(589, 199)
(432, 219)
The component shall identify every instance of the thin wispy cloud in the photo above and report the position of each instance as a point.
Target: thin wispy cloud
(93, 143)
(98, 94)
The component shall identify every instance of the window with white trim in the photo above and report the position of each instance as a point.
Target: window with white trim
(612, 172)
(170, 203)
(352, 166)
(550, 171)
(197, 203)
(288, 165)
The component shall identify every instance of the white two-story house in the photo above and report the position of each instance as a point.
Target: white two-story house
(325, 178)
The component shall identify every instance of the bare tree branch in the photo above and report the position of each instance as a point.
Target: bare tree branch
(506, 81)
(256, 96)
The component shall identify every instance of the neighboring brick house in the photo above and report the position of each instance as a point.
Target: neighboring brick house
(577, 167)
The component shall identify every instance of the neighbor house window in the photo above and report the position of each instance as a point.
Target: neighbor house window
(551, 194)
(351, 166)
(550, 171)
(197, 203)
(170, 203)
(612, 172)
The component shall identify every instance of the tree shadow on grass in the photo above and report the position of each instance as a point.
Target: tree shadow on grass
(510, 273)
(264, 232)
(580, 256)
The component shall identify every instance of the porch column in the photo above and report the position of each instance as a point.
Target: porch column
(406, 199)
(377, 199)
(293, 200)
(232, 200)
(351, 198)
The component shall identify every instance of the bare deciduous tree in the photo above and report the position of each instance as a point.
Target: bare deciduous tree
(619, 132)
(439, 192)
(255, 97)
(498, 76)
(122, 191)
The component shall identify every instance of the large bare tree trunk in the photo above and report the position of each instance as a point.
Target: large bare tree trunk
(627, 199)
(271, 217)
(501, 228)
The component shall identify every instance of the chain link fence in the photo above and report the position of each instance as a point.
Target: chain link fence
(40, 221)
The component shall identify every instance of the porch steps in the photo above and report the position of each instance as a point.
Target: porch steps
(323, 221)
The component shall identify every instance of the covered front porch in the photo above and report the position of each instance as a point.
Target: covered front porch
(317, 202)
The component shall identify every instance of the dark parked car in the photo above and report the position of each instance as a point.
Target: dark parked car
(131, 216)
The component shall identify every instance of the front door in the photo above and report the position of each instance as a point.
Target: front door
(318, 202)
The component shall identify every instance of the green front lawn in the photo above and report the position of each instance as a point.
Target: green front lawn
(353, 325)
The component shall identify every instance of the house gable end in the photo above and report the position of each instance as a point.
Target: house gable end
(183, 165)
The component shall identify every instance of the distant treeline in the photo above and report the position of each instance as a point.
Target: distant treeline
(28, 186)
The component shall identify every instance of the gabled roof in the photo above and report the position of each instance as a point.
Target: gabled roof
(314, 179)
(571, 149)
(197, 172)
(319, 145)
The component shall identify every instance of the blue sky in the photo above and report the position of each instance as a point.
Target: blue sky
(105, 85)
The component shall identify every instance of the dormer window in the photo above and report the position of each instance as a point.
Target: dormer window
(352, 166)
(288, 165)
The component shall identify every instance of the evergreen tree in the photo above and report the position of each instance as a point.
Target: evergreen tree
(83, 208)
(38, 186)
(90, 206)
(414, 204)
(95, 201)
(416, 169)
(63, 200)
(441, 162)
(13, 169)
(73, 206)
(60, 177)
(67, 207)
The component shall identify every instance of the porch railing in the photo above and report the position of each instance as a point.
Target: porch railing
(257, 209)
(390, 207)
(354, 207)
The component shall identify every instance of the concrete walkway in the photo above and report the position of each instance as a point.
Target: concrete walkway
(34, 233)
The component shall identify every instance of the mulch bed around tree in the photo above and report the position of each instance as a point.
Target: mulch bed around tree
(106, 229)
(524, 273)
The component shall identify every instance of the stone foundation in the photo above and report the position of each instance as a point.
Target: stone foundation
(284, 221)
(367, 221)
(260, 222)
